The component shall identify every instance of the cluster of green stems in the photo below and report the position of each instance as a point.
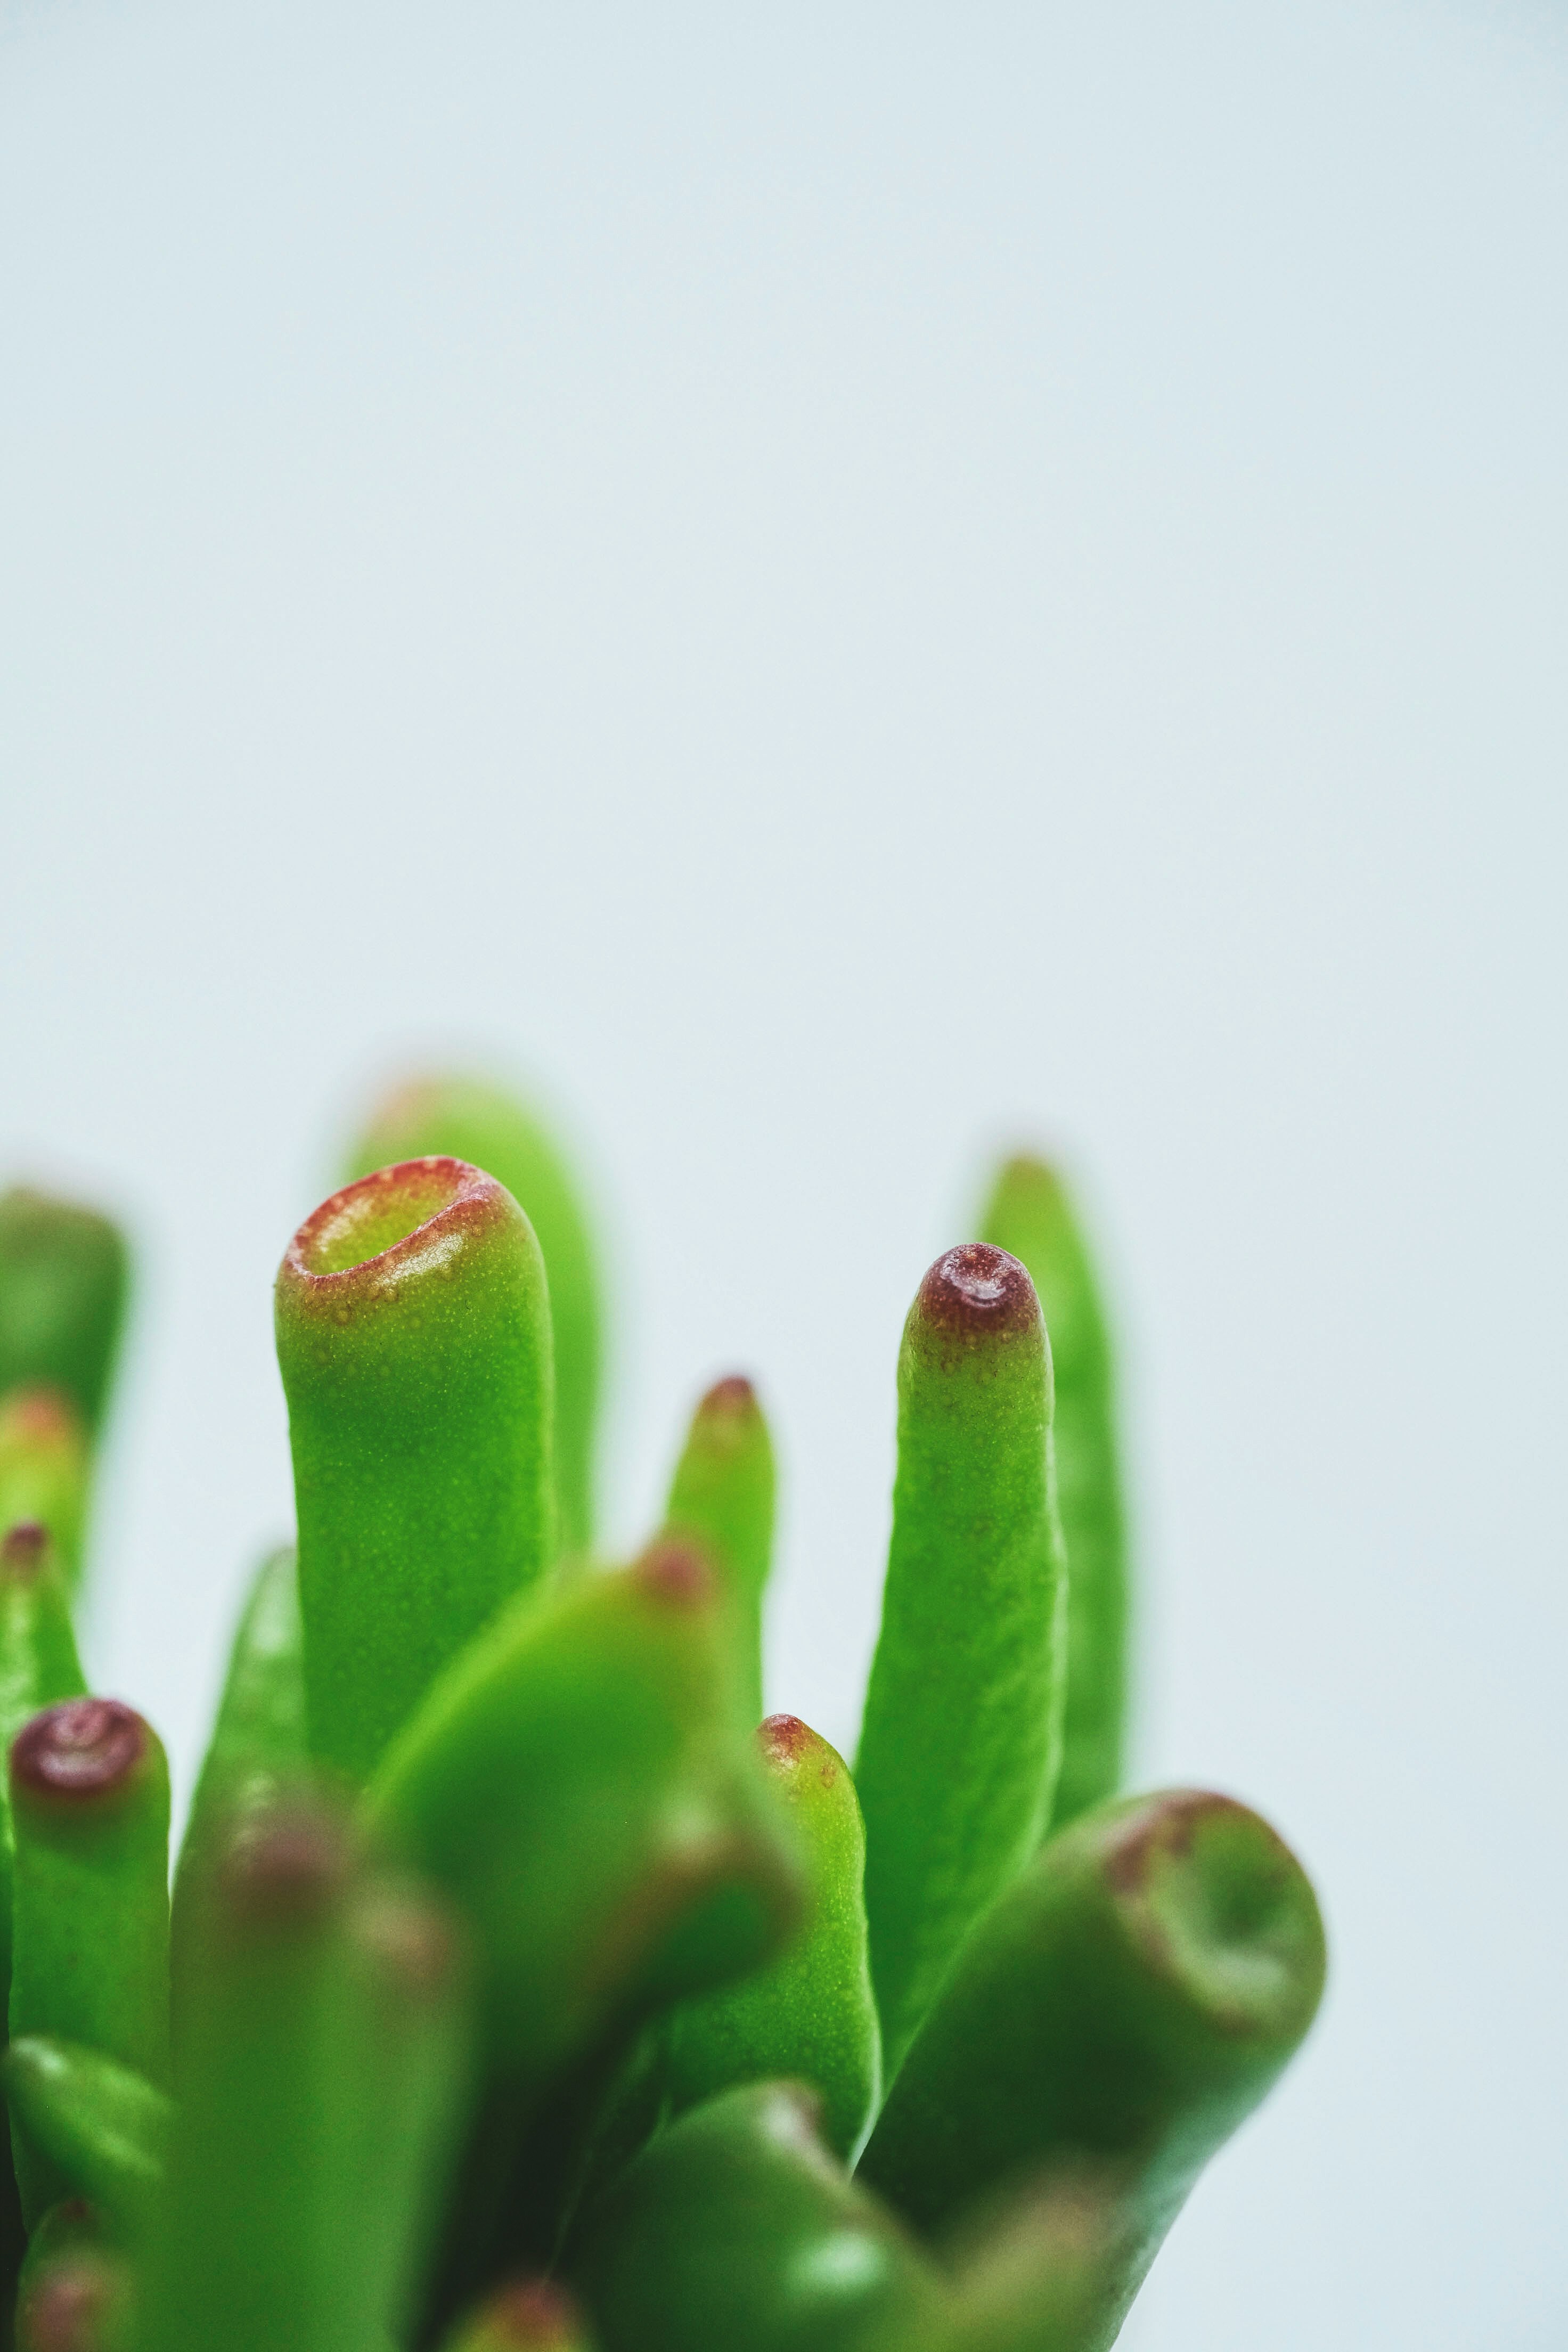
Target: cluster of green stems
(518, 1988)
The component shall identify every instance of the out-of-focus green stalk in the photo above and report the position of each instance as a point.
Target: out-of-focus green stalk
(810, 2014)
(1030, 1213)
(962, 1738)
(414, 1339)
(1132, 1997)
(410, 1991)
(470, 1119)
(257, 1752)
(103, 2129)
(62, 1299)
(736, 2228)
(258, 2242)
(39, 1666)
(89, 1963)
(722, 1494)
(44, 1470)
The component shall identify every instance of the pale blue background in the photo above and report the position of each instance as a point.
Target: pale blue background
(844, 584)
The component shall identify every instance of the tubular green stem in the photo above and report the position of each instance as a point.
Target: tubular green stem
(962, 1738)
(722, 1494)
(62, 1299)
(810, 2014)
(1030, 1215)
(736, 2228)
(44, 1470)
(89, 1963)
(414, 1339)
(1132, 1996)
(104, 2129)
(470, 1120)
(532, 2316)
(258, 2239)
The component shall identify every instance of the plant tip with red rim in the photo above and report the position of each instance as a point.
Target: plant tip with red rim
(387, 1227)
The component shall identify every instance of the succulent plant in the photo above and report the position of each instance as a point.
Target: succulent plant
(518, 1990)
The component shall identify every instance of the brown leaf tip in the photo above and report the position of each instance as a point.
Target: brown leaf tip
(288, 1865)
(977, 1292)
(40, 1416)
(413, 1943)
(69, 2309)
(730, 1399)
(83, 1749)
(536, 2315)
(676, 1571)
(22, 1546)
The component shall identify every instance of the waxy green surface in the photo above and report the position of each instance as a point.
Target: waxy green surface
(1131, 1997)
(414, 1339)
(810, 2014)
(722, 1494)
(465, 1118)
(736, 2228)
(962, 1738)
(103, 2129)
(1031, 1215)
(90, 1956)
(579, 1786)
(63, 1279)
(44, 1469)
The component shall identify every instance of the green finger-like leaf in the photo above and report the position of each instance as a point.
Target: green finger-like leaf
(468, 1119)
(413, 1340)
(63, 1272)
(737, 2227)
(89, 1962)
(581, 1787)
(44, 1468)
(1133, 1995)
(103, 2128)
(722, 1494)
(961, 1737)
(534, 2316)
(810, 2013)
(1030, 1215)
(579, 1784)
(260, 2230)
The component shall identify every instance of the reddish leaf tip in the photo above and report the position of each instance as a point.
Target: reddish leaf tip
(977, 1292)
(81, 1749)
(22, 1546)
(674, 1570)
